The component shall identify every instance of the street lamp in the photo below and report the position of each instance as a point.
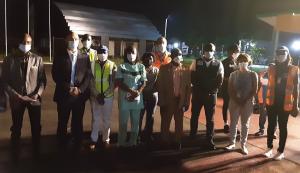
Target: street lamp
(166, 25)
(296, 47)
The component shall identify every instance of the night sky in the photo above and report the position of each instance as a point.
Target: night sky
(193, 21)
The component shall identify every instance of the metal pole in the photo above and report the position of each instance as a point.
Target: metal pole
(166, 26)
(5, 27)
(50, 43)
(28, 16)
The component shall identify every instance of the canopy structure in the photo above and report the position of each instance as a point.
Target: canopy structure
(111, 23)
(283, 22)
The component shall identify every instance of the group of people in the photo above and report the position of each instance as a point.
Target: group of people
(158, 78)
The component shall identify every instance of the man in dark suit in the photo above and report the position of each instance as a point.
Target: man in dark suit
(24, 80)
(71, 72)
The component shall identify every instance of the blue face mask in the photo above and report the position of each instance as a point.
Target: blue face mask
(72, 45)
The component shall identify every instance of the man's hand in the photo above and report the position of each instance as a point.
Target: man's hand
(27, 99)
(35, 97)
(74, 91)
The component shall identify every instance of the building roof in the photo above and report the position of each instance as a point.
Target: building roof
(103, 22)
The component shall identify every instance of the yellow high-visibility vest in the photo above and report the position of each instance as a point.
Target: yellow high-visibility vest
(103, 78)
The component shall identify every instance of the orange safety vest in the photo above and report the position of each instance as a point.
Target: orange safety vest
(293, 71)
(166, 59)
(260, 90)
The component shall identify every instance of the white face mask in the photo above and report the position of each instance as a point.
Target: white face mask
(178, 59)
(25, 48)
(209, 55)
(162, 48)
(235, 55)
(131, 57)
(281, 58)
(73, 45)
(102, 57)
(87, 44)
(243, 65)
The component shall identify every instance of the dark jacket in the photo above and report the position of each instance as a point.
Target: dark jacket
(229, 67)
(61, 74)
(17, 81)
(207, 80)
(165, 86)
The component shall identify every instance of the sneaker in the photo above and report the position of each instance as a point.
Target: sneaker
(92, 146)
(244, 150)
(268, 153)
(226, 128)
(278, 156)
(259, 133)
(230, 147)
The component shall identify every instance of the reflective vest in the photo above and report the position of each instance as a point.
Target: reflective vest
(293, 72)
(157, 59)
(103, 78)
(92, 54)
(260, 96)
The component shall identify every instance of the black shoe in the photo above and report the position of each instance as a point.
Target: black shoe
(178, 146)
(259, 133)
(226, 128)
(238, 132)
(211, 146)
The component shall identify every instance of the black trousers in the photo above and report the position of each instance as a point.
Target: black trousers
(17, 110)
(76, 105)
(225, 105)
(209, 103)
(150, 103)
(275, 115)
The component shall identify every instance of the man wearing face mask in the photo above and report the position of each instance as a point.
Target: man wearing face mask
(86, 49)
(174, 90)
(162, 56)
(207, 76)
(102, 92)
(282, 99)
(229, 67)
(24, 80)
(71, 71)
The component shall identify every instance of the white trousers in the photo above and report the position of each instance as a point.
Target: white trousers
(101, 120)
(236, 111)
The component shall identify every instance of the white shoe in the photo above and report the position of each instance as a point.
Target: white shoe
(230, 147)
(244, 150)
(278, 156)
(269, 153)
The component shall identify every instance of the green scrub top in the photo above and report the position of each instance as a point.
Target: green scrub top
(133, 75)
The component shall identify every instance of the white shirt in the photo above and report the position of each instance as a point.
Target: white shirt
(73, 57)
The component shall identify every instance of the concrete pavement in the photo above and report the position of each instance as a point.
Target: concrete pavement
(192, 158)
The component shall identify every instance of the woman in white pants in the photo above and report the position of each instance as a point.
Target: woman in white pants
(102, 91)
(242, 87)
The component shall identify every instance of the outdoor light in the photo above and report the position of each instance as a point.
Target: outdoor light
(296, 45)
(176, 45)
